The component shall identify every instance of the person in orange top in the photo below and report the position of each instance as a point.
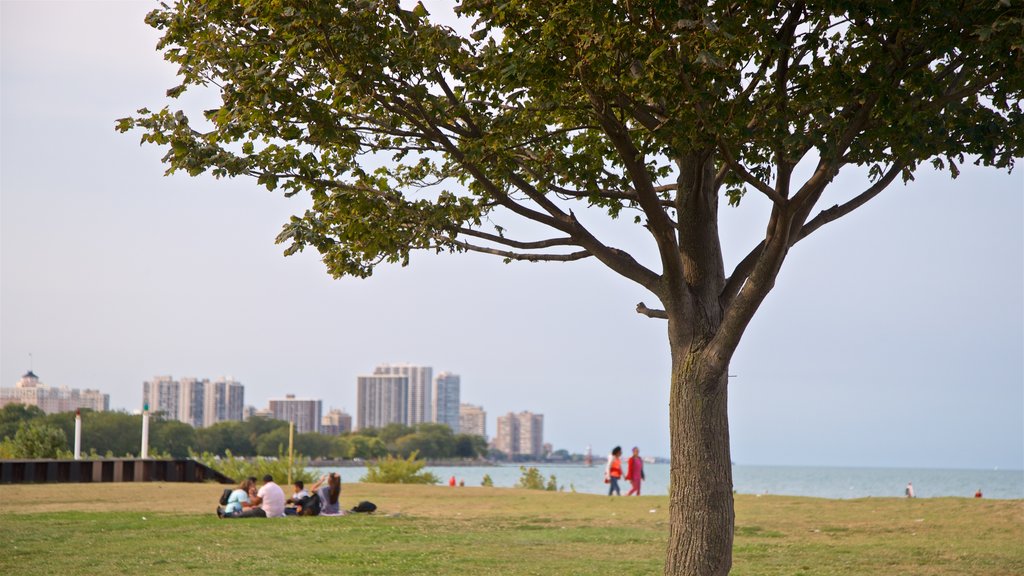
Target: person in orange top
(613, 471)
(635, 472)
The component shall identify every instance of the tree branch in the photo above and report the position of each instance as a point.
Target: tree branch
(520, 256)
(840, 210)
(747, 177)
(743, 269)
(537, 245)
(642, 308)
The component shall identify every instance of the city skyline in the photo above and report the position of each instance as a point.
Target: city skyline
(894, 338)
(201, 402)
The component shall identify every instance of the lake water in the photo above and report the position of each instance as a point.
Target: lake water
(820, 482)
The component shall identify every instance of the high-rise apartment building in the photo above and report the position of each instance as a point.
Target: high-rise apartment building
(305, 413)
(446, 400)
(420, 382)
(52, 399)
(162, 394)
(225, 400)
(520, 434)
(531, 434)
(335, 422)
(472, 420)
(381, 399)
(192, 405)
(506, 437)
(194, 401)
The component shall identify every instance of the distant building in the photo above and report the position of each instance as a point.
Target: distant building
(531, 434)
(192, 404)
(419, 404)
(520, 434)
(225, 401)
(52, 399)
(335, 422)
(305, 413)
(381, 399)
(194, 401)
(472, 420)
(162, 394)
(446, 400)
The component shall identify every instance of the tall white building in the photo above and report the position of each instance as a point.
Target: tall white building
(162, 394)
(446, 400)
(194, 401)
(419, 399)
(520, 434)
(472, 420)
(381, 399)
(192, 404)
(531, 434)
(225, 400)
(305, 413)
(335, 422)
(52, 399)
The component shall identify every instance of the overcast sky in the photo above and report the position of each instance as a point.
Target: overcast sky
(894, 337)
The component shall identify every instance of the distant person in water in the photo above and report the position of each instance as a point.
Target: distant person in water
(613, 471)
(909, 491)
(635, 472)
(978, 493)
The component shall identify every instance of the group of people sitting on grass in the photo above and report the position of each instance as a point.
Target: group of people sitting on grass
(269, 500)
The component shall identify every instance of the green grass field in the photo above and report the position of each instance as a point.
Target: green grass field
(154, 529)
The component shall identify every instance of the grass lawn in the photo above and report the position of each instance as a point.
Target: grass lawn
(154, 529)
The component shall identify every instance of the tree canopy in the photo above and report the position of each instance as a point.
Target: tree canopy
(409, 136)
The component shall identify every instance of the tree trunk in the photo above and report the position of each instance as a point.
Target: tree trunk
(701, 503)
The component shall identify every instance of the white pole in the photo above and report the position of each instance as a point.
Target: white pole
(291, 449)
(78, 434)
(145, 431)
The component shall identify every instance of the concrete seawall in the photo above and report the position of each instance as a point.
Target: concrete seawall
(107, 470)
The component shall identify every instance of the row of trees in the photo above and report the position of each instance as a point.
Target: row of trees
(120, 434)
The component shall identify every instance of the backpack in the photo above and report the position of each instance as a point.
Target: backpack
(364, 506)
(225, 495)
(310, 505)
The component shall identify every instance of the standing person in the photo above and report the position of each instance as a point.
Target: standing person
(635, 472)
(268, 502)
(328, 489)
(909, 491)
(613, 471)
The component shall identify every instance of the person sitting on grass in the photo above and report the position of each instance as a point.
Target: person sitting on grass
(328, 489)
(238, 499)
(268, 502)
(298, 494)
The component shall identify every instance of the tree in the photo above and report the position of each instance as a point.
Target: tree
(118, 433)
(12, 415)
(37, 439)
(225, 436)
(314, 445)
(557, 115)
(367, 447)
(273, 443)
(470, 446)
(172, 437)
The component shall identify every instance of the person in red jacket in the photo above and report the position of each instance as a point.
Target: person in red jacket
(613, 471)
(635, 472)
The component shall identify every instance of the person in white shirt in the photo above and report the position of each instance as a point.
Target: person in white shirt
(268, 502)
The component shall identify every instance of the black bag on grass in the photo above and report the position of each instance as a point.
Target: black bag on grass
(364, 506)
(309, 505)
